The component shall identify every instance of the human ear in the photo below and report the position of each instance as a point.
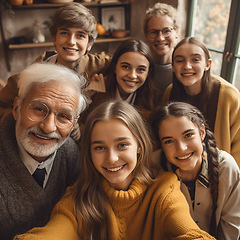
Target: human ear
(139, 150)
(89, 47)
(208, 64)
(15, 108)
(203, 132)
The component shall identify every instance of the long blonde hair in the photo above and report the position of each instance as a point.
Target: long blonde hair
(90, 201)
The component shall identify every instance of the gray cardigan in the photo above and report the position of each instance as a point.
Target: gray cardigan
(23, 203)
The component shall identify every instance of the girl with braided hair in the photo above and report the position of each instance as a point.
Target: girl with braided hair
(209, 176)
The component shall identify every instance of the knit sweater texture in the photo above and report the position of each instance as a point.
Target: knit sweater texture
(157, 212)
(23, 203)
(227, 122)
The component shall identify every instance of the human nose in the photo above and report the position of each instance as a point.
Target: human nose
(187, 65)
(132, 74)
(72, 39)
(112, 156)
(49, 124)
(181, 145)
(160, 35)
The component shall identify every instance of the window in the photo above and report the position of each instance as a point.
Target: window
(217, 24)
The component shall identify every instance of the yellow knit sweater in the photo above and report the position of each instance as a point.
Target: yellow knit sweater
(227, 123)
(147, 213)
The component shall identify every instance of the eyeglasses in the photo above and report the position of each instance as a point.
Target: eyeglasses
(38, 111)
(166, 32)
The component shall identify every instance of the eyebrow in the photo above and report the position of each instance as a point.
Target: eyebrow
(115, 140)
(130, 64)
(67, 29)
(194, 54)
(188, 130)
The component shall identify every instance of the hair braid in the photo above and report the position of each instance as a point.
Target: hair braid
(213, 174)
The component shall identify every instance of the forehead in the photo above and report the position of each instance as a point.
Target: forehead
(173, 126)
(134, 58)
(110, 130)
(72, 30)
(188, 49)
(56, 94)
(160, 21)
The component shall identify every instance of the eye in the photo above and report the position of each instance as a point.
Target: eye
(166, 30)
(125, 66)
(196, 60)
(98, 148)
(81, 35)
(141, 69)
(168, 141)
(122, 145)
(64, 117)
(63, 32)
(178, 60)
(38, 109)
(188, 135)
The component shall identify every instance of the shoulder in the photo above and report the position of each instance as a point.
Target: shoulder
(89, 57)
(45, 55)
(227, 164)
(166, 183)
(69, 149)
(227, 88)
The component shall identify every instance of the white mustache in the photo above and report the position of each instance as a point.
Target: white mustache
(39, 131)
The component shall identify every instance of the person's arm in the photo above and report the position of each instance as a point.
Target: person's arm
(229, 198)
(174, 209)
(62, 225)
(7, 96)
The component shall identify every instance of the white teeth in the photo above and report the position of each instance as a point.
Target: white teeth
(185, 157)
(131, 84)
(71, 50)
(114, 169)
(39, 136)
(188, 74)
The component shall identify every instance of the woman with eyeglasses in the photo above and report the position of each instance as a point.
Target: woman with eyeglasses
(161, 29)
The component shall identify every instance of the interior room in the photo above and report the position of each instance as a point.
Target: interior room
(214, 25)
(119, 119)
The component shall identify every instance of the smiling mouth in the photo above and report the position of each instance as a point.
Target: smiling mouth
(70, 49)
(115, 169)
(42, 137)
(188, 74)
(130, 83)
(161, 44)
(185, 156)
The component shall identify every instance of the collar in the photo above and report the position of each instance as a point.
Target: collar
(203, 175)
(130, 99)
(32, 164)
(53, 59)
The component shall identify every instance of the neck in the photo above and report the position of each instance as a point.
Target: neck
(71, 65)
(162, 59)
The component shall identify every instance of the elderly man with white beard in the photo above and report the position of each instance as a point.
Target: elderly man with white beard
(38, 159)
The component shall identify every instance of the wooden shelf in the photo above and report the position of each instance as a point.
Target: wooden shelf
(56, 5)
(50, 44)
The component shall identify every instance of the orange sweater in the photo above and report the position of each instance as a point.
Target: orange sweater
(154, 213)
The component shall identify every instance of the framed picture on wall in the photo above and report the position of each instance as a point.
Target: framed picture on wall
(113, 18)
